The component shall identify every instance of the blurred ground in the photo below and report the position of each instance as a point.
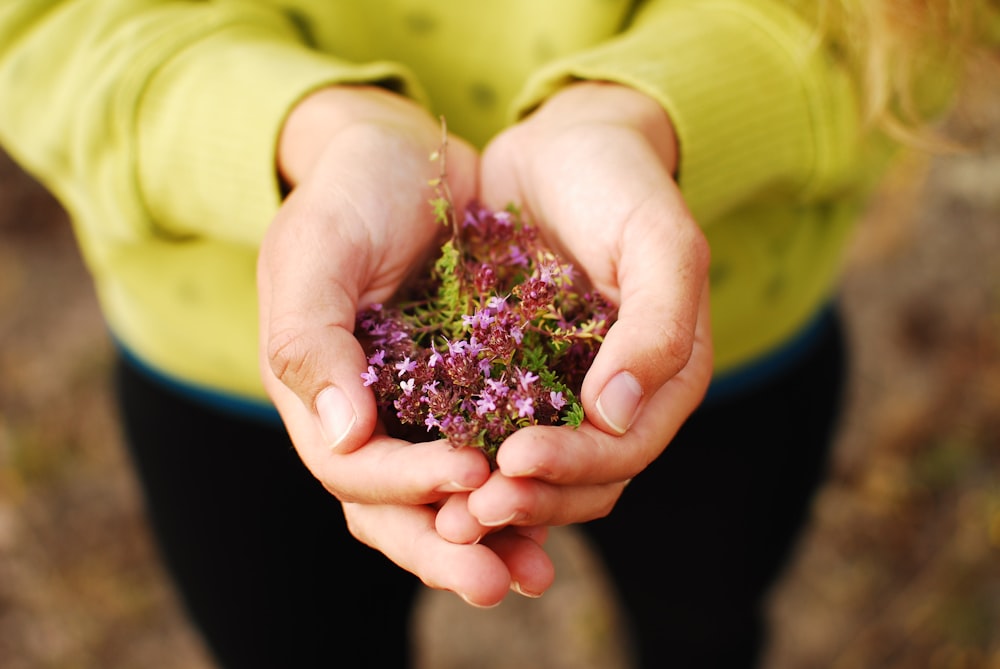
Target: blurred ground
(900, 568)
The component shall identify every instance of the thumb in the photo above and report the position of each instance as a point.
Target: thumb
(662, 278)
(310, 361)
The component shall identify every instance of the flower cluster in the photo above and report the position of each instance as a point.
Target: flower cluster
(501, 341)
(498, 338)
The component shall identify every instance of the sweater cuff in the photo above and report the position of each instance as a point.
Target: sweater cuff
(209, 123)
(756, 105)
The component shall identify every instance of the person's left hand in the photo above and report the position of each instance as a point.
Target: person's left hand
(593, 169)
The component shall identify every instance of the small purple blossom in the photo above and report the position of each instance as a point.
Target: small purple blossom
(496, 303)
(485, 404)
(525, 407)
(370, 377)
(496, 387)
(516, 256)
(474, 347)
(525, 378)
(405, 366)
(556, 399)
(480, 320)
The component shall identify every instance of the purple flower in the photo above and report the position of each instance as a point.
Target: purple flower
(486, 278)
(556, 399)
(497, 303)
(407, 386)
(497, 387)
(474, 348)
(480, 320)
(377, 358)
(525, 378)
(525, 407)
(406, 366)
(434, 359)
(517, 256)
(485, 404)
(371, 376)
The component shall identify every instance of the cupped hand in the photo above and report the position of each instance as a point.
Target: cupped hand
(355, 225)
(593, 168)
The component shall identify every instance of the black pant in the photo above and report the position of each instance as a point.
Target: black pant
(270, 575)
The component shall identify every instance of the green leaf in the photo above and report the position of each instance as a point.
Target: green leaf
(442, 210)
(574, 415)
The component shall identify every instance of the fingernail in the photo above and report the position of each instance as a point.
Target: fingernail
(454, 486)
(336, 415)
(516, 587)
(531, 471)
(478, 606)
(618, 402)
(512, 518)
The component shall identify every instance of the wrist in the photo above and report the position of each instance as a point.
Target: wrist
(321, 115)
(616, 104)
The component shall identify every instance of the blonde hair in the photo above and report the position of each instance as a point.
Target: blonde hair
(892, 43)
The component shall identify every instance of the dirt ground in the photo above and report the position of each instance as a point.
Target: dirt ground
(900, 568)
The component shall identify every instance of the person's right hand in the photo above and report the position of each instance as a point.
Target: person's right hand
(594, 168)
(356, 224)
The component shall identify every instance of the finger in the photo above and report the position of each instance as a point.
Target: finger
(406, 535)
(537, 533)
(308, 279)
(386, 470)
(503, 502)
(531, 569)
(588, 455)
(454, 523)
(396, 472)
(661, 278)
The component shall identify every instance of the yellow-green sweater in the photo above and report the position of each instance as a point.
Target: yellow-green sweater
(155, 124)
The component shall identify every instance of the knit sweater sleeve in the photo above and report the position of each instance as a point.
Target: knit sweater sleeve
(758, 105)
(152, 117)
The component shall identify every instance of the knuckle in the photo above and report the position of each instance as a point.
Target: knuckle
(355, 526)
(701, 251)
(678, 345)
(290, 356)
(604, 510)
(671, 346)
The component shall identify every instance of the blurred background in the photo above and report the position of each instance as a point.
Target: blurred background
(900, 567)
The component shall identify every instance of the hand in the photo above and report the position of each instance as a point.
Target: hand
(355, 225)
(593, 169)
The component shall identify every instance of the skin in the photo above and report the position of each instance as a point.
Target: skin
(594, 165)
(356, 159)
